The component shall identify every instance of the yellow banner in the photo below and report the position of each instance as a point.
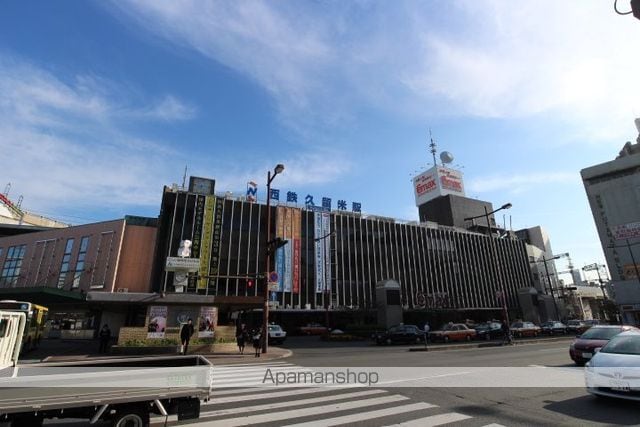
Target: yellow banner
(205, 247)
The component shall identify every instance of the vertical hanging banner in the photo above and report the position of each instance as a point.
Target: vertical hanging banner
(326, 229)
(297, 235)
(216, 238)
(288, 249)
(207, 237)
(197, 238)
(319, 253)
(280, 262)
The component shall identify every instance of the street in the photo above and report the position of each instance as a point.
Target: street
(382, 406)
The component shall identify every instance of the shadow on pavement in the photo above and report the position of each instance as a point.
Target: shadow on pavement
(598, 410)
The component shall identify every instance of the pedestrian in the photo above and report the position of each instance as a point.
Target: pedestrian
(185, 335)
(506, 332)
(257, 341)
(240, 339)
(105, 337)
(426, 333)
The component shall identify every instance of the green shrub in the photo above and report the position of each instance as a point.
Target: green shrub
(134, 343)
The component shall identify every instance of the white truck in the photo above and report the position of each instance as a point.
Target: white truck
(122, 391)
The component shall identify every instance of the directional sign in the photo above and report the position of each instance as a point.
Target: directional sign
(590, 267)
(273, 286)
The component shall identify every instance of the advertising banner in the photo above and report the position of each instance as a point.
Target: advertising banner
(297, 245)
(207, 237)
(216, 238)
(197, 237)
(322, 227)
(252, 191)
(435, 182)
(157, 321)
(626, 231)
(280, 255)
(207, 322)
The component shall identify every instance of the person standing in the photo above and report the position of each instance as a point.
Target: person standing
(426, 333)
(185, 335)
(257, 341)
(241, 336)
(506, 334)
(105, 337)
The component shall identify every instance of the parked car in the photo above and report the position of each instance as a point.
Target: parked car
(312, 329)
(577, 326)
(489, 331)
(453, 332)
(276, 334)
(583, 347)
(524, 329)
(401, 334)
(593, 322)
(554, 328)
(613, 371)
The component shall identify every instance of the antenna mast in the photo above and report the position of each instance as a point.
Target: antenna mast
(184, 177)
(433, 150)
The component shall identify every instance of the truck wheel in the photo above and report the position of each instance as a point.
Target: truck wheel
(131, 417)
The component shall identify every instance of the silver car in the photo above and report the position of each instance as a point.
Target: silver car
(614, 371)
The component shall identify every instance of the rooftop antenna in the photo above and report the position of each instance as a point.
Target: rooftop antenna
(6, 189)
(184, 177)
(19, 204)
(433, 150)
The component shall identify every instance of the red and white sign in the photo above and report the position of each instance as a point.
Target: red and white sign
(437, 181)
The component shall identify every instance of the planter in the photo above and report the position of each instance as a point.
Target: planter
(147, 350)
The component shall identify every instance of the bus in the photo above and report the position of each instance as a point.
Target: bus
(36, 318)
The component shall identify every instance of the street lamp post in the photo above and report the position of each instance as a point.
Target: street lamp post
(265, 309)
(327, 288)
(495, 254)
(546, 269)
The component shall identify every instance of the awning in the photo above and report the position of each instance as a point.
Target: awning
(42, 295)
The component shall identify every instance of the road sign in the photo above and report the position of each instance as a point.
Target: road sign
(273, 286)
(273, 276)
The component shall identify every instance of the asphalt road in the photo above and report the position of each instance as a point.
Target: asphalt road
(521, 406)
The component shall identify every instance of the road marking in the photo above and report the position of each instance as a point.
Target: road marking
(434, 420)
(261, 372)
(494, 425)
(278, 405)
(302, 412)
(262, 395)
(409, 380)
(233, 365)
(354, 418)
(253, 369)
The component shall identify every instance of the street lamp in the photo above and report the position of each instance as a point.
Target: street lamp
(546, 269)
(597, 267)
(327, 288)
(503, 293)
(265, 309)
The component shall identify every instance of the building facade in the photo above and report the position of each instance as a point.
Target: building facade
(335, 258)
(613, 190)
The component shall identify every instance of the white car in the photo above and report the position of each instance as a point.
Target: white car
(276, 334)
(614, 371)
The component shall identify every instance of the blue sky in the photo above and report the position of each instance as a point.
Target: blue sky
(102, 103)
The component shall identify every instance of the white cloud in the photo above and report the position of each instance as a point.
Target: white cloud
(67, 143)
(324, 62)
(519, 183)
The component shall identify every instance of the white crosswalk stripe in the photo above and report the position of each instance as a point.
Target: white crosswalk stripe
(239, 400)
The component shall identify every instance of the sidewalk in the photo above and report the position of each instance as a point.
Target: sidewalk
(73, 350)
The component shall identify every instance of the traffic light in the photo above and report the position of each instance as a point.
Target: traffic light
(249, 283)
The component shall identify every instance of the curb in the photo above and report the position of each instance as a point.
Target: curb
(486, 345)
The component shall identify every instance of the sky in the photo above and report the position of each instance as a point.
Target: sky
(103, 103)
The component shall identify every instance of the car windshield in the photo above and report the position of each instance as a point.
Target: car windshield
(573, 323)
(275, 328)
(516, 325)
(600, 333)
(629, 344)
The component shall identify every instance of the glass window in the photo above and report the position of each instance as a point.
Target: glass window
(64, 267)
(84, 245)
(12, 266)
(629, 344)
(601, 333)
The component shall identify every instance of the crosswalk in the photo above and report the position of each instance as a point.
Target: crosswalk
(238, 401)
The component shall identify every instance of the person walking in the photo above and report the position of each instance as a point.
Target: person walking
(426, 333)
(105, 337)
(506, 332)
(257, 341)
(241, 336)
(185, 335)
